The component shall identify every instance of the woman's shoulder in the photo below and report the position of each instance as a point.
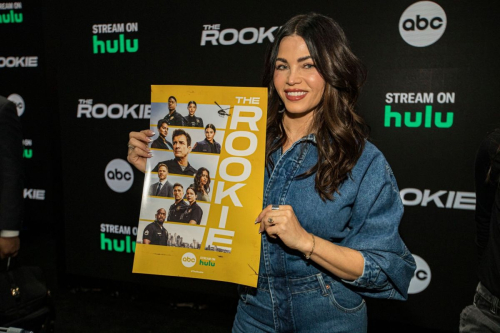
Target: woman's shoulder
(371, 152)
(202, 142)
(155, 143)
(371, 161)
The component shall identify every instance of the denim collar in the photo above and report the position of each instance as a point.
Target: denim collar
(310, 137)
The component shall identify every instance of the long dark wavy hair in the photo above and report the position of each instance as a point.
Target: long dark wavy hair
(340, 131)
(197, 181)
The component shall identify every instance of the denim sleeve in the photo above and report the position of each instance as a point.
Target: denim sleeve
(377, 211)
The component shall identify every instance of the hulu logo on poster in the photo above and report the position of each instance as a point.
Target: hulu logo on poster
(207, 263)
(11, 17)
(118, 245)
(416, 119)
(119, 45)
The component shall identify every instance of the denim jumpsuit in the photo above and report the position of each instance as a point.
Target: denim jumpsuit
(296, 295)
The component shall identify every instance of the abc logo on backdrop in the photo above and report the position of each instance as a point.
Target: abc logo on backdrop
(188, 259)
(119, 175)
(422, 24)
(422, 277)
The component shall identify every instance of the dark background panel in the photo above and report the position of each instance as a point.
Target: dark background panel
(70, 154)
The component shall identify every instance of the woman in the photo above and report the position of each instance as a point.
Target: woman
(193, 213)
(209, 145)
(191, 119)
(202, 184)
(161, 142)
(332, 207)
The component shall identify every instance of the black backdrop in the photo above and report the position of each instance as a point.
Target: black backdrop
(86, 99)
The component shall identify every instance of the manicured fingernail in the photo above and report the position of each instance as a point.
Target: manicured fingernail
(150, 154)
(256, 221)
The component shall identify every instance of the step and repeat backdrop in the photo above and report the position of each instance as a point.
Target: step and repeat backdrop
(24, 81)
(430, 97)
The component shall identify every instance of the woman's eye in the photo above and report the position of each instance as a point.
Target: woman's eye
(280, 67)
(309, 66)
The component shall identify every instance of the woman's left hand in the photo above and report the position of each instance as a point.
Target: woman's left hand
(283, 224)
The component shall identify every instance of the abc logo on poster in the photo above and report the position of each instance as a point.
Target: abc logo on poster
(188, 259)
(19, 101)
(119, 175)
(422, 24)
(421, 278)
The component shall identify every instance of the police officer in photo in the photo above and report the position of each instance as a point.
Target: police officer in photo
(209, 145)
(174, 118)
(191, 119)
(193, 213)
(182, 147)
(179, 206)
(155, 233)
(161, 141)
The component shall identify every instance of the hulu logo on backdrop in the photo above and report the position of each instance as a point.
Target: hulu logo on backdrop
(117, 42)
(397, 116)
(10, 16)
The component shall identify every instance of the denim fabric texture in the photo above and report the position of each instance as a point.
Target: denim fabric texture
(483, 315)
(295, 294)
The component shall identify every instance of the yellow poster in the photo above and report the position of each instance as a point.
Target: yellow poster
(204, 183)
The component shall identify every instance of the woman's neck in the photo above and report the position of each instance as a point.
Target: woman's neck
(296, 127)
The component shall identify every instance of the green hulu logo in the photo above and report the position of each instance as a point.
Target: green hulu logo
(118, 245)
(419, 117)
(207, 263)
(27, 153)
(11, 17)
(115, 45)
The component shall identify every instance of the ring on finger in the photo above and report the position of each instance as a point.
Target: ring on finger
(275, 207)
(131, 146)
(270, 220)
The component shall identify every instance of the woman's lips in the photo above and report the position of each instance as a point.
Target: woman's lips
(295, 95)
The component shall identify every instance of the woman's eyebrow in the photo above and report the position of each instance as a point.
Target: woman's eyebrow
(298, 60)
(304, 58)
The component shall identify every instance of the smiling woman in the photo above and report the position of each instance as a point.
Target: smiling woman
(296, 78)
(324, 182)
(331, 206)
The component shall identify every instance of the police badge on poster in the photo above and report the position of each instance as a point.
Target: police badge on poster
(203, 186)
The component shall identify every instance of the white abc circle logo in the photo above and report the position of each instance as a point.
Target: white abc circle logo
(422, 24)
(188, 259)
(19, 101)
(421, 278)
(119, 175)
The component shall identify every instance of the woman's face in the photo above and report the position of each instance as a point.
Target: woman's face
(204, 177)
(164, 129)
(191, 109)
(209, 134)
(190, 196)
(296, 79)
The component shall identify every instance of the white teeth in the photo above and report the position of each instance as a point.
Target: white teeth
(296, 93)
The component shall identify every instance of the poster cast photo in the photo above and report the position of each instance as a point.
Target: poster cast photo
(176, 180)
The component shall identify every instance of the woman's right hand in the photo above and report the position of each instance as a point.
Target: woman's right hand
(138, 148)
